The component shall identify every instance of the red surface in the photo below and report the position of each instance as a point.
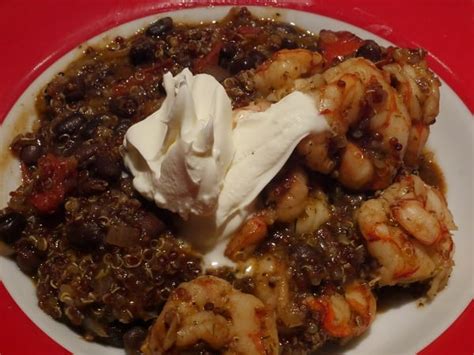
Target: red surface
(34, 34)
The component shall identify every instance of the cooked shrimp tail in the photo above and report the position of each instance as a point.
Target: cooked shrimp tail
(209, 310)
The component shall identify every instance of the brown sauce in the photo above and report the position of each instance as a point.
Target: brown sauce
(430, 171)
(21, 125)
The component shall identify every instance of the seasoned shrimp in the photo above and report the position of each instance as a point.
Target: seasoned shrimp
(288, 194)
(276, 77)
(208, 309)
(419, 89)
(287, 200)
(417, 85)
(316, 213)
(346, 315)
(362, 107)
(369, 122)
(407, 230)
(272, 285)
(246, 239)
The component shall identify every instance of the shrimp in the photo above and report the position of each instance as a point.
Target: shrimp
(407, 230)
(287, 200)
(288, 194)
(344, 315)
(417, 85)
(208, 309)
(362, 107)
(246, 239)
(369, 122)
(316, 213)
(419, 89)
(276, 77)
(272, 285)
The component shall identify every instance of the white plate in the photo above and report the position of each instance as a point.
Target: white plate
(404, 328)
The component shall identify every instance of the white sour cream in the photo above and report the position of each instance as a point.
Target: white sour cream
(188, 159)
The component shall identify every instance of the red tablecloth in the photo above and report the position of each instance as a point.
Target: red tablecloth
(35, 33)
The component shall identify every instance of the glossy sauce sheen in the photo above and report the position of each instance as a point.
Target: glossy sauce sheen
(431, 172)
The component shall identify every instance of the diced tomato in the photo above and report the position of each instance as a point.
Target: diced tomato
(147, 74)
(55, 175)
(210, 59)
(249, 31)
(338, 44)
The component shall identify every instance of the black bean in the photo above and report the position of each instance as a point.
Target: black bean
(106, 167)
(75, 90)
(124, 106)
(133, 340)
(142, 51)
(115, 332)
(226, 54)
(69, 125)
(89, 127)
(86, 153)
(29, 259)
(151, 224)
(70, 147)
(256, 57)
(160, 27)
(84, 234)
(253, 59)
(370, 50)
(30, 154)
(288, 43)
(11, 226)
(123, 125)
(239, 64)
(228, 51)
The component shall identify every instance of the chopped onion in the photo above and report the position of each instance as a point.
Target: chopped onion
(95, 327)
(122, 236)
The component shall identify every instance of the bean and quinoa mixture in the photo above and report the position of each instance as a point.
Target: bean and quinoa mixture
(104, 259)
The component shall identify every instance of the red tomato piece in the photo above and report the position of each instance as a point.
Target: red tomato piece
(338, 44)
(55, 175)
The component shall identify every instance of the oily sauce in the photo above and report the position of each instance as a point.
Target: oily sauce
(430, 171)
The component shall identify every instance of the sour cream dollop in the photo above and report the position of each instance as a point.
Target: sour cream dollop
(179, 155)
(191, 159)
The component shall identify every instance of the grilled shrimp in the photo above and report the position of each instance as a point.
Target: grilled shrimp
(370, 125)
(288, 194)
(272, 285)
(344, 315)
(208, 309)
(316, 213)
(361, 107)
(287, 200)
(246, 239)
(419, 89)
(276, 77)
(407, 230)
